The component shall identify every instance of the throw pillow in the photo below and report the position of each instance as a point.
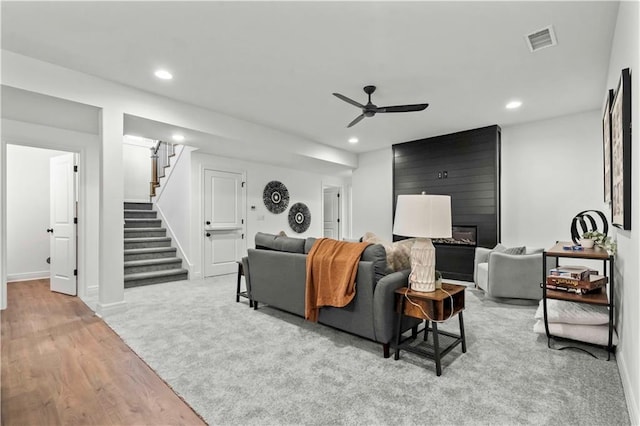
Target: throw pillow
(402, 254)
(512, 250)
(499, 248)
(370, 237)
(516, 250)
(398, 253)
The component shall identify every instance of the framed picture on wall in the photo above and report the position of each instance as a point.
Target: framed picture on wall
(606, 145)
(621, 153)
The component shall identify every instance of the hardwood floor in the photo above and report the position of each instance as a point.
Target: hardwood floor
(63, 365)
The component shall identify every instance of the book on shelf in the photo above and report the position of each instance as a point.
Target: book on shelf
(593, 282)
(574, 290)
(577, 272)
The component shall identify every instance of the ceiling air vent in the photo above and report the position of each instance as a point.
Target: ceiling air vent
(541, 39)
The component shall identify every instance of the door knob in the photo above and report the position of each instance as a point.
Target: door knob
(208, 222)
(207, 234)
(50, 230)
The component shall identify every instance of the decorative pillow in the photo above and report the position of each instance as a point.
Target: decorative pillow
(562, 311)
(398, 253)
(596, 334)
(370, 237)
(513, 250)
(499, 248)
(516, 250)
(402, 254)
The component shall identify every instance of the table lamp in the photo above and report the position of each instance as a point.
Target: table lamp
(424, 217)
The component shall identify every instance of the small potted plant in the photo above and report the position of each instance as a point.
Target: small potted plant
(599, 239)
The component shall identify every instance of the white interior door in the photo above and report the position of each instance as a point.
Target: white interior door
(62, 212)
(224, 227)
(332, 213)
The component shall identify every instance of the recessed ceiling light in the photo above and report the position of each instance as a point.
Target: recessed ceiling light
(353, 140)
(513, 105)
(178, 138)
(163, 75)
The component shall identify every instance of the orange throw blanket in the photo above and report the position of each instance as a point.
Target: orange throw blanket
(331, 275)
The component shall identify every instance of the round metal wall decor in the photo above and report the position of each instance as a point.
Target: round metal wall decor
(299, 217)
(275, 197)
(587, 222)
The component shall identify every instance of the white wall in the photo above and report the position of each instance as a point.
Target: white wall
(137, 172)
(372, 194)
(28, 212)
(624, 54)
(174, 200)
(303, 187)
(551, 170)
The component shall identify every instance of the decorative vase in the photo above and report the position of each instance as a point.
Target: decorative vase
(586, 242)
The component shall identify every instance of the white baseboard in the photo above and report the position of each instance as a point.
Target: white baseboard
(27, 276)
(92, 291)
(106, 309)
(632, 402)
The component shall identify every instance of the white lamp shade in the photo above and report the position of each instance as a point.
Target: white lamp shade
(423, 216)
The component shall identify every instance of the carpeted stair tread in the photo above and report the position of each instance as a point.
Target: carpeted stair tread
(140, 219)
(140, 214)
(146, 239)
(146, 262)
(137, 206)
(155, 274)
(149, 250)
(133, 230)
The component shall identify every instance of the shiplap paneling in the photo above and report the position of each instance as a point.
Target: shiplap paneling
(472, 161)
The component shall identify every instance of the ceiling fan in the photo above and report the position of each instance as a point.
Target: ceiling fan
(369, 110)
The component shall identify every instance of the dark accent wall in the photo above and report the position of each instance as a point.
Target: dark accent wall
(465, 165)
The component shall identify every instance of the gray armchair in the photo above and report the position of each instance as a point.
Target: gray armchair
(515, 276)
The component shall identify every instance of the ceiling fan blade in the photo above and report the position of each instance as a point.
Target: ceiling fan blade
(349, 101)
(402, 108)
(356, 120)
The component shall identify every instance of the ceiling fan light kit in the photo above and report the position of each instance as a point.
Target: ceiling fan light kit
(370, 109)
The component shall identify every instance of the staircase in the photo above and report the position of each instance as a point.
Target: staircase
(148, 255)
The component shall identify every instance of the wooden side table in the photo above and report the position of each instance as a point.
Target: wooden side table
(434, 307)
(242, 293)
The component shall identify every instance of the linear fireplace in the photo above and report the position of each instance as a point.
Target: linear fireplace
(460, 236)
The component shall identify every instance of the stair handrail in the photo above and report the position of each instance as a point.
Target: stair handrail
(161, 154)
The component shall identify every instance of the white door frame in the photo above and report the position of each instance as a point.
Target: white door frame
(87, 147)
(201, 222)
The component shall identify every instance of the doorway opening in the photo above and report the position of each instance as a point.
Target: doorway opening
(42, 212)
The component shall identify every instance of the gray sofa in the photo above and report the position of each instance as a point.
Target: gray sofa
(275, 273)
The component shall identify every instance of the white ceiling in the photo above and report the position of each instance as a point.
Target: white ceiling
(277, 63)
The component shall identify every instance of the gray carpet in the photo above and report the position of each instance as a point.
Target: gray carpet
(237, 366)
